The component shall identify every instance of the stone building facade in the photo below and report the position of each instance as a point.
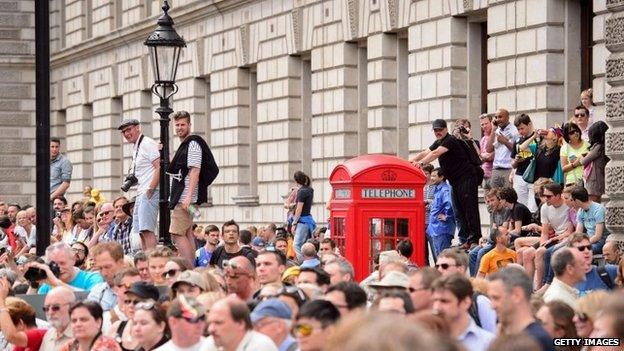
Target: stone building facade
(277, 86)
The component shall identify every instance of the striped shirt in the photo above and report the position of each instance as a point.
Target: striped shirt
(194, 159)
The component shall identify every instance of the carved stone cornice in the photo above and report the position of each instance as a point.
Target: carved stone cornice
(190, 13)
(352, 18)
(296, 16)
(615, 71)
(614, 101)
(614, 33)
(614, 5)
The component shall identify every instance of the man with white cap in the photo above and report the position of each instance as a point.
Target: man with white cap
(146, 174)
(273, 318)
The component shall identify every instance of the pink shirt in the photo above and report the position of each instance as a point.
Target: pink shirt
(487, 165)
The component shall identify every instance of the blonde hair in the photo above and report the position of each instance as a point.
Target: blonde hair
(592, 303)
(589, 93)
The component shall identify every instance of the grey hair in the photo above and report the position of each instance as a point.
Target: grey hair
(61, 246)
(561, 259)
(514, 277)
(344, 266)
(9, 274)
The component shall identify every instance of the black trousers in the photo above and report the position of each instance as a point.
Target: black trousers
(466, 201)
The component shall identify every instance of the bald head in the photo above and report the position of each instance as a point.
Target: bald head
(308, 250)
(243, 264)
(60, 294)
(502, 117)
(611, 252)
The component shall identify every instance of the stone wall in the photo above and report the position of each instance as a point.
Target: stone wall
(281, 85)
(17, 101)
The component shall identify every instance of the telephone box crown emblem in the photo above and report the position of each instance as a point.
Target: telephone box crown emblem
(389, 176)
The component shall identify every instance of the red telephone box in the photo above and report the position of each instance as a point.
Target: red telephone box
(377, 201)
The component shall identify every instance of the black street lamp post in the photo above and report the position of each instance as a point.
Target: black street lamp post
(165, 46)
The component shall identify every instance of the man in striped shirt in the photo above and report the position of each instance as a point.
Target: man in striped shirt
(188, 162)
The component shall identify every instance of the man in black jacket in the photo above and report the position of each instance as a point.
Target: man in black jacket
(460, 173)
(192, 170)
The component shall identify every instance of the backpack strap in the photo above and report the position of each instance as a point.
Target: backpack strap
(473, 311)
(604, 276)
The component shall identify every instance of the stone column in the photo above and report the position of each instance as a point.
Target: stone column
(382, 93)
(334, 114)
(107, 151)
(79, 146)
(614, 97)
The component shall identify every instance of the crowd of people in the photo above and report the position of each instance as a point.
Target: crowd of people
(543, 270)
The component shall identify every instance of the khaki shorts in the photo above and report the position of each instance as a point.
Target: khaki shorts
(181, 221)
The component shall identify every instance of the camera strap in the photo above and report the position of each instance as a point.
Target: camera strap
(136, 154)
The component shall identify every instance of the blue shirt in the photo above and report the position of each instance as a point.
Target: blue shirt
(487, 315)
(286, 344)
(60, 171)
(82, 281)
(202, 257)
(104, 295)
(441, 205)
(594, 215)
(537, 332)
(475, 338)
(593, 280)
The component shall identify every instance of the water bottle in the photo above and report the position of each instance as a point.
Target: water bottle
(195, 213)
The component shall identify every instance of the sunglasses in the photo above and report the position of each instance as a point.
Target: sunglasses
(194, 320)
(170, 273)
(584, 247)
(580, 115)
(53, 308)
(293, 292)
(228, 263)
(105, 213)
(303, 330)
(145, 305)
(131, 302)
(445, 265)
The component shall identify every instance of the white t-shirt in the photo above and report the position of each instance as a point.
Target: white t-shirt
(194, 159)
(557, 217)
(170, 346)
(144, 171)
(29, 238)
(252, 341)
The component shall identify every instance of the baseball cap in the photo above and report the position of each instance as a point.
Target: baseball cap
(144, 291)
(258, 242)
(439, 124)
(192, 278)
(393, 279)
(271, 308)
(128, 207)
(128, 122)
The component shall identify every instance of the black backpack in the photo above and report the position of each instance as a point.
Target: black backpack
(473, 158)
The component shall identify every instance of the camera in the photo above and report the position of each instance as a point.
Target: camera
(129, 181)
(463, 130)
(495, 123)
(35, 274)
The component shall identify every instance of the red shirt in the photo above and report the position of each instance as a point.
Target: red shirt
(34, 337)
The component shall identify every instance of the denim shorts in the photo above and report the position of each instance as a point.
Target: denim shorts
(145, 213)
